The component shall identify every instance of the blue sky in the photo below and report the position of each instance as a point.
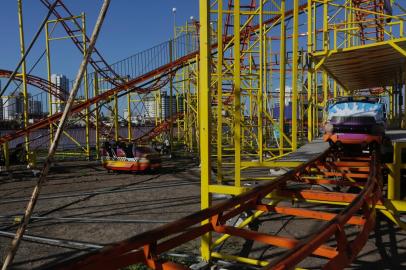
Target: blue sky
(130, 26)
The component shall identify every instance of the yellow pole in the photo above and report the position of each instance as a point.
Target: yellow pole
(315, 103)
(335, 90)
(282, 78)
(394, 176)
(237, 94)
(295, 72)
(129, 116)
(325, 47)
(204, 118)
(86, 87)
(219, 90)
(171, 50)
(48, 56)
(96, 93)
(24, 77)
(261, 81)
(404, 108)
(116, 125)
(6, 155)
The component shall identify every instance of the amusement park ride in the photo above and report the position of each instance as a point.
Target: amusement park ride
(325, 57)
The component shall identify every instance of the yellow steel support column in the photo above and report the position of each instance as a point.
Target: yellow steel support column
(171, 50)
(404, 106)
(261, 85)
(204, 118)
(24, 78)
(237, 93)
(219, 91)
(6, 153)
(97, 113)
(86, 88)
(282, 78)
(394, 175)
(325, 48)
(129, 116)
(315, 90)
(295, 72)
(309, 73)
(50, 109)
(116, 125)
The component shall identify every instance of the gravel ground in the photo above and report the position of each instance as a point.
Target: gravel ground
(96, 207)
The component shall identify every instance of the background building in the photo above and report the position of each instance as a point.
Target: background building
(152, 109)
(12, 107)
(288, 96)
(9, 107)
(62, 82)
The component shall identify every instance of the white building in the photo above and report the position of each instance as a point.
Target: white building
(13, 107)
(9, 107)
(288, 96)
(62, 82)
(152, 109)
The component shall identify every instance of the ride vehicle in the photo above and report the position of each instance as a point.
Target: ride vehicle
(129, 157)
(355, 120)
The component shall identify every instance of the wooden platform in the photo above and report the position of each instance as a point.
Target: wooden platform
(307, 151)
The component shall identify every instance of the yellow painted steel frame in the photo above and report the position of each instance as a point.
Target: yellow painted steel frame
(237, 138)
(24, 78)
(239, 77)
(204, 117)
(82, 36)
(394, 204)
(97, 115)
(184, 89)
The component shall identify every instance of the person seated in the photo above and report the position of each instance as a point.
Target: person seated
(128, 149)
(120, 149)
(108, 149)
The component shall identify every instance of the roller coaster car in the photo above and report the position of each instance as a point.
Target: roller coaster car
(356, 121)
(129, 158)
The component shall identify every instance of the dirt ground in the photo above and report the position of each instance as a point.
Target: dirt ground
(83, 207)
(83, 203)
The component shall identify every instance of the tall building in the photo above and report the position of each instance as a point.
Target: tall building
(62, 82)
(288, 96)
(13, 107)
(34, 107)
(9, 104)
(152, 109)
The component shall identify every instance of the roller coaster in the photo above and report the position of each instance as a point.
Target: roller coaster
(237, 127)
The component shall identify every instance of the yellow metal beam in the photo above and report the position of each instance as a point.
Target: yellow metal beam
(204, 117)
(237, 93)
(24, 78)
(282, 76)
(295, 64)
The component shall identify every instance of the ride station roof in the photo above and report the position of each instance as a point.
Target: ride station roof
(375, 65)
